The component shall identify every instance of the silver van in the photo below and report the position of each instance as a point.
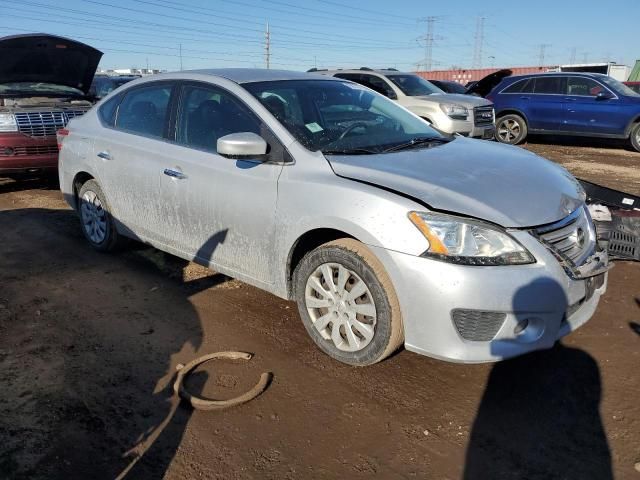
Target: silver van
(466, 115)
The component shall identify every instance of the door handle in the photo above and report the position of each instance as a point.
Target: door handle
(104, 155)
(174, 174)
(525, 98)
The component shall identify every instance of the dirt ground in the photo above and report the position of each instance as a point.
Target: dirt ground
(90, 342)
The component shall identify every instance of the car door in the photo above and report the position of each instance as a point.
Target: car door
(545, 106)
(220, 211)
(585, 112)
(130, 153)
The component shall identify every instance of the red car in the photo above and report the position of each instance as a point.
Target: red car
(44, 82)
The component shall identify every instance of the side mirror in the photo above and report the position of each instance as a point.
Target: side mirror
(603, 95)
(242, 145)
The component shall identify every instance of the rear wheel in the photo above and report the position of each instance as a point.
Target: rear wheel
(511, 129)
(635, 137)
(347, 303)
(97, 223)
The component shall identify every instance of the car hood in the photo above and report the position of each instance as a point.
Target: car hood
(499, 183)
(484, 86)
(47, 59)
(466, 100)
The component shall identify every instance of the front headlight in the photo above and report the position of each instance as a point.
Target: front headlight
(8, 122)
(468, 242)
(457, 112)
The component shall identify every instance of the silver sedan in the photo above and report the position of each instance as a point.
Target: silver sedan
(383, 230)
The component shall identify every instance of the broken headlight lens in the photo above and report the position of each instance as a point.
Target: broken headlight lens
(8, 123)
(468, 242)
(457, 112)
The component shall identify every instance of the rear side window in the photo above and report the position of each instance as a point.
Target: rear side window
(374, 83)
(107, 111)
(549, 85)
(521, 86)
(144, 110)
(584, 87)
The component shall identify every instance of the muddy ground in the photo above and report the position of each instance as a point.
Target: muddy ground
(90, 342)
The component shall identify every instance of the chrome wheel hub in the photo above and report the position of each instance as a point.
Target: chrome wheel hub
(509, 130)
(94, 218)
(341, 307)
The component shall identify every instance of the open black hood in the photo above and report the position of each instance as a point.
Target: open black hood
(484, 86)
(49, 59)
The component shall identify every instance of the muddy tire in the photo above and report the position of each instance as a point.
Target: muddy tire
(347, 303)
(634, 138)
(96, 221)
(511, 129)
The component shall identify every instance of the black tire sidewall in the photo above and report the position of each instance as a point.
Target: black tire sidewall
(111, 236)
(350, 260)
(635, 141)
(523, 128)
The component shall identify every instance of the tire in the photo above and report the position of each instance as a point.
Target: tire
(511, 129)
(96, 221)
(634, 138)
(372, 336)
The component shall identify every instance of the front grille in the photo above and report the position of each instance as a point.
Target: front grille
(29, 150)
(45, 124)
(477, 325)
(483, 115)
(573, 237)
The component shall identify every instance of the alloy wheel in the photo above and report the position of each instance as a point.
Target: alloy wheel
(509, 130)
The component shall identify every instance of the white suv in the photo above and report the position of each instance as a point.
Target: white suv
(452, 113)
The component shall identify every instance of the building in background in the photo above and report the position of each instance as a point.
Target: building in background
(130, 71)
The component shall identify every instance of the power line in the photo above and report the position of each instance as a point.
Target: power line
(478, 44)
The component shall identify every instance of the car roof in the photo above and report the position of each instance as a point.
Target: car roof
(555, 74)
(250, 75)
(379, 71)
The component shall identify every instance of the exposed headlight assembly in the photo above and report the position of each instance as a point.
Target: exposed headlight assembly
(457, 112)
(468, 242)
(8, 123)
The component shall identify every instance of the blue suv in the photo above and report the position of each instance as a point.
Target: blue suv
(582, 104)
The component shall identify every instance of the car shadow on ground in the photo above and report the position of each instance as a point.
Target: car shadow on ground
(88, 348)
(8, 185)
(539, 417)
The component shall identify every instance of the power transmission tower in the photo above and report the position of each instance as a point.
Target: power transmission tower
(543, 50)
(180, 57)
(479, 43)
(574, 52)
(585, 57)
(428, 42)
(267, 47)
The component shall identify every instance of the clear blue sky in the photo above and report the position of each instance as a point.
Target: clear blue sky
(334, 33)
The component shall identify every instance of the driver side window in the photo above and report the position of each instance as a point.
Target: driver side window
(207, 113)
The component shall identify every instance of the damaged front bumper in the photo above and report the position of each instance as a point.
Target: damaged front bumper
(477, 314)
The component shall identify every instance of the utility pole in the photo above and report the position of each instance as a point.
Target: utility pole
(585, 57)
(267, 47)
(574, 52)
(543, 49)
(479, 43)
(180, 57)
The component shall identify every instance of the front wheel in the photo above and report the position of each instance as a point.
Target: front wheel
(511, 129)
(348, 304)
(635, 137)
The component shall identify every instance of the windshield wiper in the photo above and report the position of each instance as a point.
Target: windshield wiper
(349, 151)
(414, 142)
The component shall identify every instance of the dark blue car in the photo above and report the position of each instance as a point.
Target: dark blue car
(581, 104)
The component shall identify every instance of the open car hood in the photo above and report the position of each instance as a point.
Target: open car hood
(47, 59)
(506, 185)
(484, 86)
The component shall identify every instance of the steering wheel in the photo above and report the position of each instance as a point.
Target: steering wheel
(350, 128)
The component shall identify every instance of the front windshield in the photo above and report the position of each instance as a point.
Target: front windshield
(413, 85)
(340, 117)
(38, 88)
(619, 87)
